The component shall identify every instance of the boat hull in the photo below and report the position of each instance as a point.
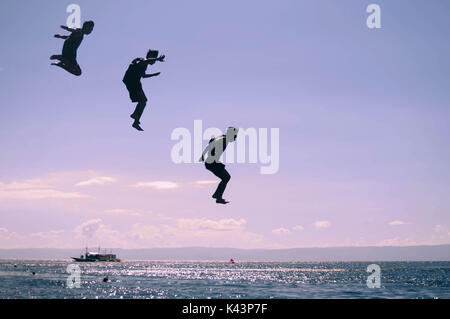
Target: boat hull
(83, 260)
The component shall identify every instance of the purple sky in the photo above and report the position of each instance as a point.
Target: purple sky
(363, 117)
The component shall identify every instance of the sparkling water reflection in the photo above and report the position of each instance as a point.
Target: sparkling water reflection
(144, 279)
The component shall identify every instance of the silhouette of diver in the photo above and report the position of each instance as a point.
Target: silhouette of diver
(68, 58)
(215, 148)
(132, 80)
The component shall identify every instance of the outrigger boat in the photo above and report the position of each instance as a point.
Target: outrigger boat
(96, 257)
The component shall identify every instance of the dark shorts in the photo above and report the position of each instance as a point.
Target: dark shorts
(214, 166)
(70, 55)
(136, 93)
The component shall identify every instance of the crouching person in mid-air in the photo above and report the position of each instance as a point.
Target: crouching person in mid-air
(68, 57)
(215, 149)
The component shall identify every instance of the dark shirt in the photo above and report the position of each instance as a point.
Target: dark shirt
(72, 43)
(136, 70)
(217, 140)
(218, 144)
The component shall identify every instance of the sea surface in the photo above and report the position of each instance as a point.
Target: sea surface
(208, 279)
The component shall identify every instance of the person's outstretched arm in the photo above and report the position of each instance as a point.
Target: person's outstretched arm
(160, 59)
(67, 28)
(150, 75)
(61, 36)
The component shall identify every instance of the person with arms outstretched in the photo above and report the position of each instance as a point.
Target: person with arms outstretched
(68, 58)
(215, 149)
(132, 80)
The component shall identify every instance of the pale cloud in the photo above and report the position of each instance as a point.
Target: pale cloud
(298, 228)
(209, 232)
(97, 181)
(397, 223)
(40, 194)
(9, 239)
(28, 184)
(48, 235)
(88, 228)
(52, 179)
(158, 185)
(173, 233)
(441, 235)
(43, 188)
(119, 211)
(281, 231)
(96, 232)
(200, 231)
(208, 224)
(5, 234)
(322, 224)
(145, 232)
(441, 230)
(206, 182)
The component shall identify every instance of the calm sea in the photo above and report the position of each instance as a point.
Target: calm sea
(145, 279)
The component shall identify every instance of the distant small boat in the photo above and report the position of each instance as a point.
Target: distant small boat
(232, 261)
(96, 257)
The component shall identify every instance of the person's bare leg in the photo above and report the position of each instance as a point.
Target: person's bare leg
(57, 57)
(75, 70)
(60, 64)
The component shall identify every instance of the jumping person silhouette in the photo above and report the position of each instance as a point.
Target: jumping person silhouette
(68, 58)
(132, 81)
(215, 148)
